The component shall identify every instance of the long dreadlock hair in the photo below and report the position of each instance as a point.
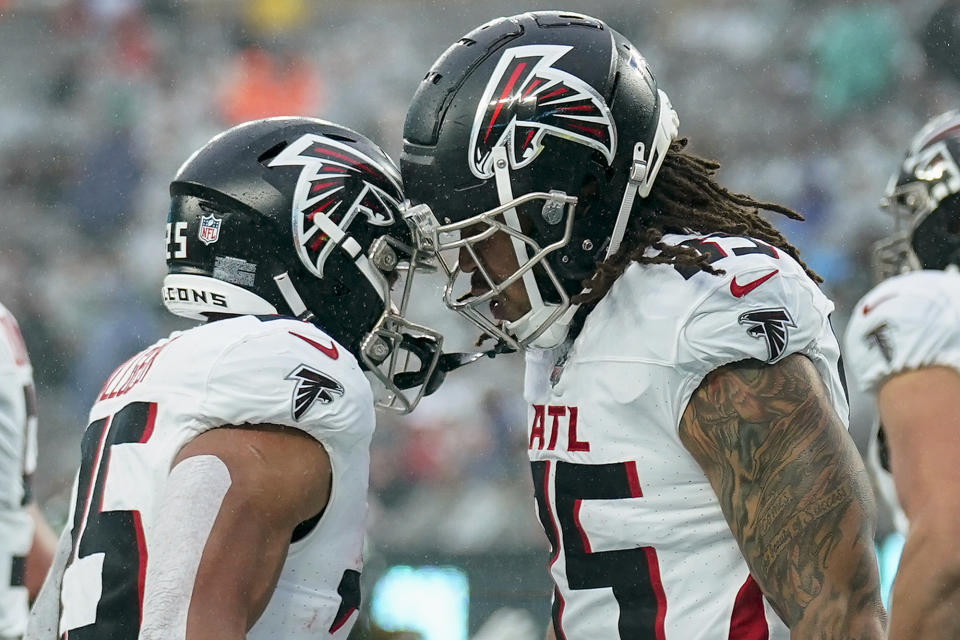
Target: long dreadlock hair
(686, 198)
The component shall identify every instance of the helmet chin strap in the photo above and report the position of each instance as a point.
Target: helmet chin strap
(527, 324)
(291, 297)
(644, 169)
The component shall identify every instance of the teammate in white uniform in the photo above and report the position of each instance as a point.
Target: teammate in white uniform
(687, 421)
(903, 346)
(222, 485)
(26, 542)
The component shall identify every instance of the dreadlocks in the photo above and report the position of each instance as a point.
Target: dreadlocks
(686, 198)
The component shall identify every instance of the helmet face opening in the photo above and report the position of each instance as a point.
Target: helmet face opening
(448, 242)
(546, 103)
(298, 217)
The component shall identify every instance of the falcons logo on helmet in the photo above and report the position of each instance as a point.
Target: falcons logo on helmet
(337, 184)
(312, 386)
(771, 325)
(525, 99)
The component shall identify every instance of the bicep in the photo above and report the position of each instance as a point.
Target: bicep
(789, 480)
(233, 498)
(920, 413)
(42, 550)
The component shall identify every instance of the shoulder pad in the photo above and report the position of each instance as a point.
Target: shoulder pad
(764, 308)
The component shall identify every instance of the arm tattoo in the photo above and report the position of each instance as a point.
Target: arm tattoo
(792, 487)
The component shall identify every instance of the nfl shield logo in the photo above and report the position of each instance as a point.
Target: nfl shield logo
(209, 229)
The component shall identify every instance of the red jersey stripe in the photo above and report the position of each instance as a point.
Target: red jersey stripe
(748, 621)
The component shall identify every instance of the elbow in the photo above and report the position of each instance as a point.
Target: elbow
(926, 593)
(931, 549)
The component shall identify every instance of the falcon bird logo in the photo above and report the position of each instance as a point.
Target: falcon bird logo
(771, 325)
(880, 338)
(312, 386)
(337, 183)
(525, 99)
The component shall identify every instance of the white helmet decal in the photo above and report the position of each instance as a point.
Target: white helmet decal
(326, 202)
(527, 98)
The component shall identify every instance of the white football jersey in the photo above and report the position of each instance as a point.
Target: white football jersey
(641, 548)
(906, 322)
(243, 370)
(18, 458)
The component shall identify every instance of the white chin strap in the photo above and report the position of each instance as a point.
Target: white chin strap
(644, 169)
(290, 295)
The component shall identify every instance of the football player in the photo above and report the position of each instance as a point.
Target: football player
(222, 485)
(26, 541)
(903, 345)
(686, 416)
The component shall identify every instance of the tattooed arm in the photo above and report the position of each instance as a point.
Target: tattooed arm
(794, 492)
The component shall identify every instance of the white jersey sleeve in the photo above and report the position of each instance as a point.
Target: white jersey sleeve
(907, 322)
(763, 311)
(308, 382)
(12, 431)
(17, 462)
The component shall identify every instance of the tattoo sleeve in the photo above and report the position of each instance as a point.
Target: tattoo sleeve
(794, 492)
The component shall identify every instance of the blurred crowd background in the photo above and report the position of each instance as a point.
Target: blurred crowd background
(805, 102)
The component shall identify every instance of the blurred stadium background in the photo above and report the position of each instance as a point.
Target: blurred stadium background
(808, 102)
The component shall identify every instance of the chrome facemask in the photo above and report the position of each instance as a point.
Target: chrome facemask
(437, 240)
(402, 355)
(909, 204)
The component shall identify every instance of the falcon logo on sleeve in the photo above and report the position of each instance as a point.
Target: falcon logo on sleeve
(312, 386)
(880, 338)
(527, 98)
(771, 325)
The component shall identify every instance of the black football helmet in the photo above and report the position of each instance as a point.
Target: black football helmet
(545, 126)
(924, 198)
(300, 217)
